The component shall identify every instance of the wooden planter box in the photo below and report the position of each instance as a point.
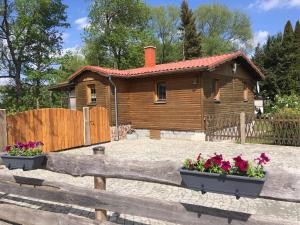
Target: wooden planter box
(23, 162)
(238, 186)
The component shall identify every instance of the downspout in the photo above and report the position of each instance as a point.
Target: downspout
(116, 107)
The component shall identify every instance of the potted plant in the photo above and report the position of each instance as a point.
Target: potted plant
(26, 156)
(239, 177)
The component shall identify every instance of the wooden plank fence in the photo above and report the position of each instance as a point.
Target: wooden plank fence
(57, 128)
(280, 186)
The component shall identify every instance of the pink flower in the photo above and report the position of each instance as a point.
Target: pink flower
(226, 166)
(263, 159)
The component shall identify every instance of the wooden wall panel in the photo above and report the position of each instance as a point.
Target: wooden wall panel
(102, 90)
(123, 101)
(231, 92)
(155, 134)
(182, 110)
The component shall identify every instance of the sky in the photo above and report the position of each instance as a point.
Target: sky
(267, 16)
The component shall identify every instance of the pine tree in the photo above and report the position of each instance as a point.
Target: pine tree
(191, 39)
(296, 65)
(285, 79)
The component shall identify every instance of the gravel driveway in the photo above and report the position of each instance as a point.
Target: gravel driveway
(282, 157)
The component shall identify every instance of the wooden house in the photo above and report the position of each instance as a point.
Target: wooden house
(167, 99)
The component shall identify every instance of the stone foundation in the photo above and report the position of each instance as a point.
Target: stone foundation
(183, 135)
(164, 134)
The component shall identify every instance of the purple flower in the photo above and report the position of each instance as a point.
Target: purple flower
(39, 143)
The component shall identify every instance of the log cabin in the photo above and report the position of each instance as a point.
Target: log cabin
(167, 100)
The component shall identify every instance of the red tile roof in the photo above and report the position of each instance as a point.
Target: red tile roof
(206, 63)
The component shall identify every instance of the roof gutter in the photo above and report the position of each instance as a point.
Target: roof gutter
(116, 107)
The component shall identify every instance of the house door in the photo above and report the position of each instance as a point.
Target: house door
(99, 125)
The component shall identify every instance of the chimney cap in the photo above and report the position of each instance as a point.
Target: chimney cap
(149, 46)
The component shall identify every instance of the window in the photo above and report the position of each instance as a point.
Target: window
(161, 95)
(91, 94)
(216, 88)
(245, 93)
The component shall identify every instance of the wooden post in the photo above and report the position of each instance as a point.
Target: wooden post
(3, 131)
(243, 127)
(100, 183)
(86, 126)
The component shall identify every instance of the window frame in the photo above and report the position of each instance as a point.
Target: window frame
(245, 92)
(156, 94)
(216, 90)
(91, 95)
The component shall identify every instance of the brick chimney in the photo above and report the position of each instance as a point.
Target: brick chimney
(150, 56)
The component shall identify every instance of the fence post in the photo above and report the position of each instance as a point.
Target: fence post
(86, 126)
(100, 183)
(3, 131)
(243, 127)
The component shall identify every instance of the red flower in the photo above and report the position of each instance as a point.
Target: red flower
(240, 163)
(226, 166)
(208, 164)
(7, 148)
(217, 159)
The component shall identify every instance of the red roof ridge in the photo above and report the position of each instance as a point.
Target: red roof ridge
(208, 62)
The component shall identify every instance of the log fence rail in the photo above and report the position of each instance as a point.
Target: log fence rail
(280, 186)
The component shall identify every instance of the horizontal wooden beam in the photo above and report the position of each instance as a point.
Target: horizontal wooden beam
(27, 216)
(174, 212)
(280, 185)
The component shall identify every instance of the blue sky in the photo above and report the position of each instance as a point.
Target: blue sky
(267, 16)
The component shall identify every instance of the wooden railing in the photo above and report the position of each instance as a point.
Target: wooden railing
(280, 186)
(248, 127)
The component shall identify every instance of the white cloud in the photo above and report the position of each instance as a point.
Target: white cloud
(267, 5)
(82, 22)
(260, 37)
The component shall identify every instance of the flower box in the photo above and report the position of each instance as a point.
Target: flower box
(23, 162)
(26, 156)
(239, 186)
(241, 178)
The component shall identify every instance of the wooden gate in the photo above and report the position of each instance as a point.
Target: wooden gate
(57, 128)
(99, 125)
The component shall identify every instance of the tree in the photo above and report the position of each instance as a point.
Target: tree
(191, 39)
(119, 30)
(296, 65)
(165, 22)
(223, 30)
(268, 59)
(29, 36)
(287, 59)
